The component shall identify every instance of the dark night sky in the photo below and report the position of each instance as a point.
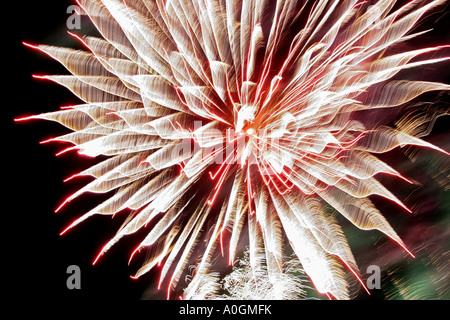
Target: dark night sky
(37, 256)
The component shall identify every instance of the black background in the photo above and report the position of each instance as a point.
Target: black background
(36, 257)
(35, 187)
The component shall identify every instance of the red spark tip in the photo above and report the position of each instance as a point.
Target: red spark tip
(26, 44)
(24, 119)
(409, 252)
(357, 276)
(72, 177)
(97, 257)
(406, 208)
(73, 34)
(169, 286)
(78, 38)
(133, 253)
(46, 141)
(95, 261)
(66, 150)
(403, 246)
(35, 76)
(61, 206)
(65, 230)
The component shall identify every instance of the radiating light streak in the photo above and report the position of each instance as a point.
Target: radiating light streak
(306, 95)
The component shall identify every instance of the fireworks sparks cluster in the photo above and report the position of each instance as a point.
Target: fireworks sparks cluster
(225, 120)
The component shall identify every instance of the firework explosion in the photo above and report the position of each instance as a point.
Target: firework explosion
(229, 120)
